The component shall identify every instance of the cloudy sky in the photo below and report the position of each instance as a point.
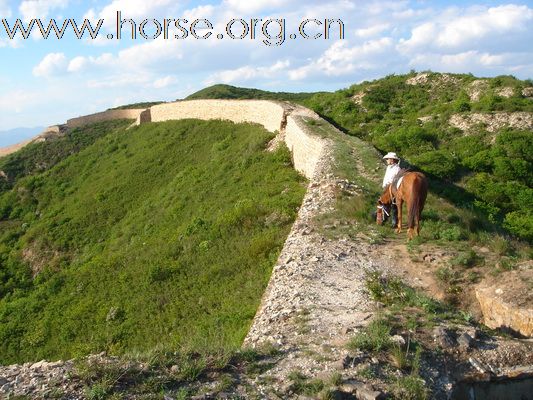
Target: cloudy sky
(44, 82)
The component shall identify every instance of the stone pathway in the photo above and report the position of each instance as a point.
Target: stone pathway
(316, 297)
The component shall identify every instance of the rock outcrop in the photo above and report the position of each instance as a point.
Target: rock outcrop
(494, 121)
(507, 305)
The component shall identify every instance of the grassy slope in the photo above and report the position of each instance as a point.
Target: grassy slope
(485, 172)
(474, 171)
(469, 241)
(39, 157)
(158, 237)
(232, 92)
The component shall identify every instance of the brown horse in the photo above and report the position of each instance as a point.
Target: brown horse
(413, 190)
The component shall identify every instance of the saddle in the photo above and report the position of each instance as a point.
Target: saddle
(397, 181)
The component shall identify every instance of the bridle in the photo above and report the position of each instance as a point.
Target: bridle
(382, 208)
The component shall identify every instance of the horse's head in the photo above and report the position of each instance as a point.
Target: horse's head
(382, 212)
(384, 206)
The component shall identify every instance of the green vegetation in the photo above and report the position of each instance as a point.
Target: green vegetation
(408, 313)
(487, 173)
(375, 337)
(231, 92)
(146, 104)
(301, 384)
(39, 157)
(160, 237)
(156, 374)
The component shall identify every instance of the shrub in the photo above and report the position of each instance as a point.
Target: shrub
(453, 233)
(438, 163)
(520, 224)
(374, 337)
(466, 259)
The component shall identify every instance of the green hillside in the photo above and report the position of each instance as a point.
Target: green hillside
(160, 236)
(41, 156)
(231, 92)
(489, 171)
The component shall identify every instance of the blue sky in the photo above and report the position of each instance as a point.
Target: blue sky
(44, 82)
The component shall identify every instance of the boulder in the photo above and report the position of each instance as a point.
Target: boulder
(499, 313)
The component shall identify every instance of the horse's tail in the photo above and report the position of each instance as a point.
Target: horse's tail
(418, 198)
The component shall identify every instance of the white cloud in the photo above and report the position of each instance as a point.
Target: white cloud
(494, 21)
(164, 82)
(13, 43)
(138, 10)
(116, 81)
(340, 59)
(77, 64)
(473, 60)
(146, 56)
(5, 10)
(371, 31)
(39, 8)
(51, 64)
(420, 36)
(253, 6)
(16, 101)
(460, 29)
(200, 12)
(248, 72)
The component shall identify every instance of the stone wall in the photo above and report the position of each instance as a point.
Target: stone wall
(267, 113)
(305, 147)
(289, 121)
(47, 133)
(104, 116)
(286, 119)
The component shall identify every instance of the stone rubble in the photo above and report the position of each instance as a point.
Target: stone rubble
(39, 380)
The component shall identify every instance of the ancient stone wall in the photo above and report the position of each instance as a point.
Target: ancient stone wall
(286, 119)
(305, 147)
(104, 116)
(47, 133)
(267, 113)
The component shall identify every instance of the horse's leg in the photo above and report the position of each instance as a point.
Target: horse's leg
(409, 227)
(399, 203)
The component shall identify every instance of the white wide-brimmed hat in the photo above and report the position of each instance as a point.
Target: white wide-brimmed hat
(391, 155)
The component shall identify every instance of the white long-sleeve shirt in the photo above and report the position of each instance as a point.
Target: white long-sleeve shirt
(390, 174)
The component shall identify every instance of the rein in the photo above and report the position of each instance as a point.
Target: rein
(384, 210)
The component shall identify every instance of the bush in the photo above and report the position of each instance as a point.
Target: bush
(520, 224)
(466, 259)
(453, 233)
(462, 104)
(375, 337)
(438, 163)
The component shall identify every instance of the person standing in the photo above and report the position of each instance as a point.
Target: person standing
(393, 170)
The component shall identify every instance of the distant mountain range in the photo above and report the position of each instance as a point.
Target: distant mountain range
(17, 135)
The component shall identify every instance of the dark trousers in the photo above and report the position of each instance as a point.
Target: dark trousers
(394, 215)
